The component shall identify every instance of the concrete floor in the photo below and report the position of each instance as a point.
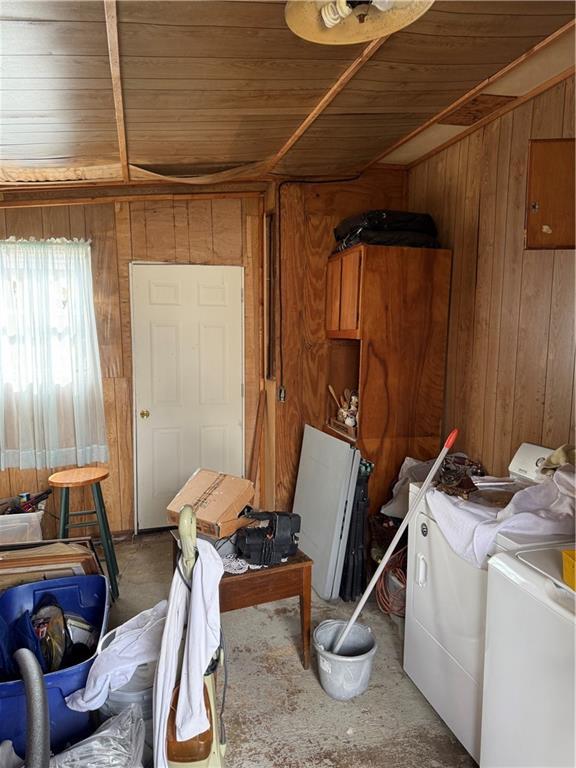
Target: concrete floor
(277, 715)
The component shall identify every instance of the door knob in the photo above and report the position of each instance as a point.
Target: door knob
(144, 414)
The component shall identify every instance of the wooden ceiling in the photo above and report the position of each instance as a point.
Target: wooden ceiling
(207, 86)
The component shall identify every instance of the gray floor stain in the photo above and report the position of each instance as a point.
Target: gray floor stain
(277, 714)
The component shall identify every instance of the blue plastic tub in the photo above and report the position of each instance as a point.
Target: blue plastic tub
(86, 596)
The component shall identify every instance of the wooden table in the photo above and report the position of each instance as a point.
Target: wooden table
(277, 582)
(266, 585)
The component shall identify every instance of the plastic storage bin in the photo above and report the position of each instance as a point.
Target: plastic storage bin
(86, 596)
(18, 529)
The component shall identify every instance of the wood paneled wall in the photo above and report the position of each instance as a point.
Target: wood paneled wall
(308, 214)
(510, 375)
(201, 230)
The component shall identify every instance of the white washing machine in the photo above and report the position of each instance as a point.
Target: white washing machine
(528, 714)
(446, 612)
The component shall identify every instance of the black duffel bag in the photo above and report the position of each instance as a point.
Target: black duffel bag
(370, 237)
(386, 221)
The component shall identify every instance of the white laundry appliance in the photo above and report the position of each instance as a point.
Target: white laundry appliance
(446, 610)
(528, 715)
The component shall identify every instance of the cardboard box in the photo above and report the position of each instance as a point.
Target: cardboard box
(217, 500)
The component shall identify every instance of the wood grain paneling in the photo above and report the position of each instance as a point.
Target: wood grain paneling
(207, 231)
(404, 307)
(510, 375)
(208, 86)
(308, 214)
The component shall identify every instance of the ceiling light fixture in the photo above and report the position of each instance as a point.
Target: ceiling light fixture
(344, 22)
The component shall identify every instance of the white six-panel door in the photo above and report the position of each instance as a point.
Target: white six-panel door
(188, 366)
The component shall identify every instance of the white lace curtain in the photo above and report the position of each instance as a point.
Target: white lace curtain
(51, 403)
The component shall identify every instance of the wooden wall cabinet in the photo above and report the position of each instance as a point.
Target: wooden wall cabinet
(333, 287)
(550, 200)
(390, 345)
(343, 295)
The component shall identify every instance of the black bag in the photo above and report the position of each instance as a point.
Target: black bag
(372, 237)
(386, 221)
(269, 545)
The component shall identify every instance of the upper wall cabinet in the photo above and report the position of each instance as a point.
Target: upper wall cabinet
(343, 295)
(333, 284)
(550, 200)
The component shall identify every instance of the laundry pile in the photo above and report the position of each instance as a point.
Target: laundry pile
(134, 643)
(470, 528)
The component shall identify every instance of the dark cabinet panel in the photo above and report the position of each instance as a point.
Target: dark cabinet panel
(550, 200)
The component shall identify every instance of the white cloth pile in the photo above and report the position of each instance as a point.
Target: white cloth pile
(193, 611)
(544, 509)
(9, 758)
(136, 642)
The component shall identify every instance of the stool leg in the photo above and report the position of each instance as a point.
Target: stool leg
(107, 542)
(64, 513)
(99, 502)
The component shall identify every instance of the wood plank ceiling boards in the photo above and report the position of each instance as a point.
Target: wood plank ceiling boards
(208, 88)
(57, 100)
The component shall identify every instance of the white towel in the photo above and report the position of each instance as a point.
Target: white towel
(200, 609)
(470, 529)
(136, 642)
(9, 758)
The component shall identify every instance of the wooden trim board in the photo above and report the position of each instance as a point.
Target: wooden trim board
(44, 203)
(438, 118)
(327, 99)
(111, 16)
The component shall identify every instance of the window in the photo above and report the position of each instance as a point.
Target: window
(51, 403)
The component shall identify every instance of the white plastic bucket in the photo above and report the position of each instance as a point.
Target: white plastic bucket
(346, 674)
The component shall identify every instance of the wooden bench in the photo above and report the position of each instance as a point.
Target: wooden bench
(266, 585)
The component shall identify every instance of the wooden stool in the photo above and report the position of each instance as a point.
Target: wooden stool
(80, 478)
(266, 585)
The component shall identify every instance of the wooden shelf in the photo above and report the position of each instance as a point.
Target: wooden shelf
(339, 433)
(355, 335)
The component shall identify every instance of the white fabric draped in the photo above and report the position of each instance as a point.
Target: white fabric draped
(51, 403)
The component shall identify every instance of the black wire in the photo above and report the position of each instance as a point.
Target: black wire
(221, 542)
(182, 574)
(224, 687)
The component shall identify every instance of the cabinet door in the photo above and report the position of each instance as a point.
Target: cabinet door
(350, 291)
(550, 215)
(333, 274)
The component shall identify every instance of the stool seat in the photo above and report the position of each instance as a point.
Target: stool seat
(79, 477)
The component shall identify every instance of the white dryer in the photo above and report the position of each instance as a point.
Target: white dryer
(529, 717)
(446, 612)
